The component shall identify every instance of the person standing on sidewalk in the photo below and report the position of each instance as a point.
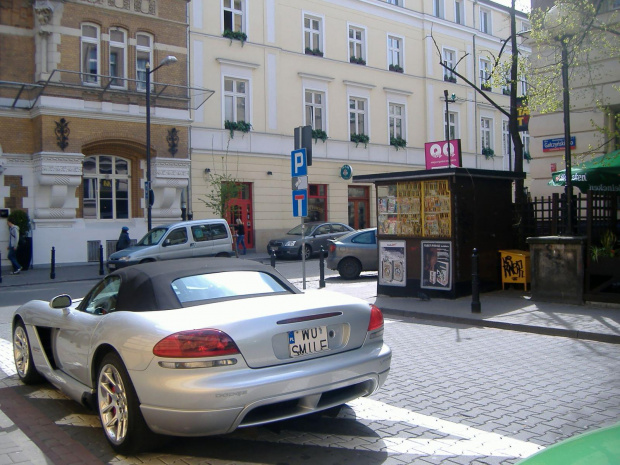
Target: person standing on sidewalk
(240, 235)
(13, 243)
(123, 240)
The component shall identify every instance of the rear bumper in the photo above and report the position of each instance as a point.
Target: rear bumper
(200, 403)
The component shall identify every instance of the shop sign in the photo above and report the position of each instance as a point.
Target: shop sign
(436, 154)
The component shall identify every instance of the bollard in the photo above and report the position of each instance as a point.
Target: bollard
(475, 283)
(53, 268)
(321, 268)
(101, 272)
(273, 258)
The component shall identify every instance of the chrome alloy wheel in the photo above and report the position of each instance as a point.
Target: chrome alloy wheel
(112, 400)
(21, 351)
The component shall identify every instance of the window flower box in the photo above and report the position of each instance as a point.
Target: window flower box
(319, 134)
(398, 142)
(488, 152)
(233, 126)
(316, 52)
(396, 68)
(357, 61)
(235, 35)
(360, 138)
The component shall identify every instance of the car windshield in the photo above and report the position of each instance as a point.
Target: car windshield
(296, 231)
(225, 285)
(153, 236)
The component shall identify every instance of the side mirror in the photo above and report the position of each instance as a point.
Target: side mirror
(61, 301)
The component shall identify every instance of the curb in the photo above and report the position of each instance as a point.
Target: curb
(545, 331)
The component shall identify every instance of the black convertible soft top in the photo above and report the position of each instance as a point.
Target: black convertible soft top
(146, 287)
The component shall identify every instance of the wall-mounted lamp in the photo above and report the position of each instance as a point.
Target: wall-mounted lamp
(269, 173)
(207, 170)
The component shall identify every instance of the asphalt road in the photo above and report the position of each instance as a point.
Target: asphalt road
(455, 395)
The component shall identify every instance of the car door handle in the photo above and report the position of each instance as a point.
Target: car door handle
(193, 244)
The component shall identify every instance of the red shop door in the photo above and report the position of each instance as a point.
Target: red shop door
(241, 207)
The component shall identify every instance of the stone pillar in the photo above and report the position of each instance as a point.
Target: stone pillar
(170, 176)
(558, 264)
(57, 175)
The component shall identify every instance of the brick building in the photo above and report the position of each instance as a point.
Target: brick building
(72, 119)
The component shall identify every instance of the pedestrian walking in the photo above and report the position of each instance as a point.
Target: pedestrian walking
(13, 243)
(240, 235)
(123, 240)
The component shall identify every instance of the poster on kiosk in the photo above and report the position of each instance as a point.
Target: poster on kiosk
(436, 154)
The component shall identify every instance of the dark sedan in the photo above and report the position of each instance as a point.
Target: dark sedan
(317, 235)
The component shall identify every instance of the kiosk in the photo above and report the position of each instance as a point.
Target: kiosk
(429, 222)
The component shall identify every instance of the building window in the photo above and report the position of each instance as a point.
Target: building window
(357, 115)
(459, 13)
(357, 45)
(106, 188)
(506, 84)
(144, 56)
(485, 74)
(395, 53)
(396, 120)
(315, 109)
(452, 125)
(235, 100)
(506, 142)
(449, 59)
(523, 82)
(313, 35)
(395, 2)
(525, 138)
(233, 15)
(90, 54)
(118, 58)
(485, 21)
(317, 202)
(438, 8)
(486, 139)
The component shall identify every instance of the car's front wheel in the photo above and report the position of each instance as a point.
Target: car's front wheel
(22, 354)
(307, 251)
(349, 268)
(119, 408)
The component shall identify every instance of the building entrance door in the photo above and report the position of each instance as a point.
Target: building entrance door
(359, 203)
(241, 207)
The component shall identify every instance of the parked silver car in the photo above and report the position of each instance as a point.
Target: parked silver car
(317, 235)
(353, 253)
(200, 346)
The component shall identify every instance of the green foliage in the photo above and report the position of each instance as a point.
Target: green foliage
(607, 247)
(398, 142)
(527, 157)
(224, 188)
(233, 126)
(360, 138)
(358, 60)
(319, 134)
(488, 152)
(20, 219)
(316, 52)
(235, 35)
(396, 68)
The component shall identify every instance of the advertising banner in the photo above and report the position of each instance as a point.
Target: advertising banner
(392, 263)
(436, 154)
(436, 265)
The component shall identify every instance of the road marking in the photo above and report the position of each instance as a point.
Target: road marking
(7, 363)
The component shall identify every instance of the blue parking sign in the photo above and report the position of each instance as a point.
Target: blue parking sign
(300, 203)
(298, 163)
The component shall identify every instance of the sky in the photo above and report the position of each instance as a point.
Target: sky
(522, 5)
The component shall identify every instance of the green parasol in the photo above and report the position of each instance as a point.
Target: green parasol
(600, 174)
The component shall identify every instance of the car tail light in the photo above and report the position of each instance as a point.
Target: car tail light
(196, 343)
(332, 248)
(376, 318)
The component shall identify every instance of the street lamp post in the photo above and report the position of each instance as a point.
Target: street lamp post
(445, 94)
(147, 188)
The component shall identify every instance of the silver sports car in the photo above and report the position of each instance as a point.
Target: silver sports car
(200, 347)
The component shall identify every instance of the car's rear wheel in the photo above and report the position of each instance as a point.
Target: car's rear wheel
(119, 408)
(349, 268)
(307, 251)
(23, 355)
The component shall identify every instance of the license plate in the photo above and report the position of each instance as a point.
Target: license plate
(307, 341)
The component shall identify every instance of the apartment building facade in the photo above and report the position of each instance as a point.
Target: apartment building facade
(364, 73)
(72, 113)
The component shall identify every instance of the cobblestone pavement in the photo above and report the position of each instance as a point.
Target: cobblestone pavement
(456, 395)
